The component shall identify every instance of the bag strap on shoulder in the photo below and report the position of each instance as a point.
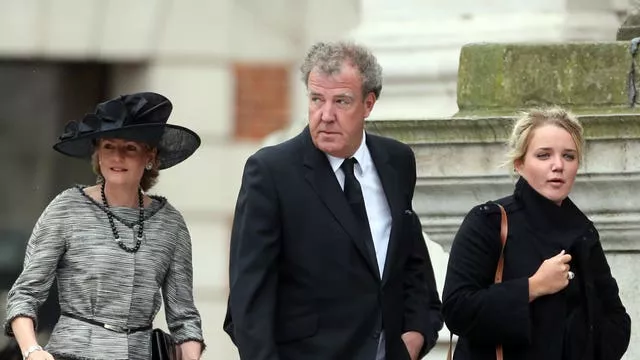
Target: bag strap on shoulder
(504, 231)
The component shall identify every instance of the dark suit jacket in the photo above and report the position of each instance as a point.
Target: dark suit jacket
(302, 283)
(584, 321)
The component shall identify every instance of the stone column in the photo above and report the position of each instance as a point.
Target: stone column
(418, 42)
(631, 26)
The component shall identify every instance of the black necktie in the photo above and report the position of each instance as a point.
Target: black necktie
(353, 192)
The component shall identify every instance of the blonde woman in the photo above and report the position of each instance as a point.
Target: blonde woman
(115, 251)
(558, 299)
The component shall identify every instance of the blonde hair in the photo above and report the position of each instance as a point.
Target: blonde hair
(149, 177)
(529, 121)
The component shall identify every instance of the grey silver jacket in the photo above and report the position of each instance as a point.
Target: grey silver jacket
(73, 243)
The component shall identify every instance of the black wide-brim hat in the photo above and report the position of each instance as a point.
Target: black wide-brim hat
(139, 117)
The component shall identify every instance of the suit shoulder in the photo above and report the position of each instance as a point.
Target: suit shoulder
(392, 146)
(168, 207)
(71, 198)
(390, 142)
(283, 151)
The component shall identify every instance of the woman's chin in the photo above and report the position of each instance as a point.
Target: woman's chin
(120, 180)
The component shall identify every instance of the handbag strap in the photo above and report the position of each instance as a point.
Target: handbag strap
(504, 231)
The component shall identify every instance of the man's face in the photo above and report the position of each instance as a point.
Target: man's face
(337, 110)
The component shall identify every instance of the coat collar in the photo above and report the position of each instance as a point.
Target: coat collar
(561, 225)
(362, 155)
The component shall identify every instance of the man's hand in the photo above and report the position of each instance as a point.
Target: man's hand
(413, 340)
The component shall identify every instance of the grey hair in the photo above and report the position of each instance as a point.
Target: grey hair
(328, 58)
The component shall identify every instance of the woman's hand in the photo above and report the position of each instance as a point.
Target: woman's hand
(40, 355)
(191, 350)
(25, 334)
(551, 277)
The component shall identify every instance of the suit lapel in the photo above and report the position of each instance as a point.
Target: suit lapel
(320, 175)
(389, 179)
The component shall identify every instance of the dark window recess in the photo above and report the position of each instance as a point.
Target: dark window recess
(36, 100)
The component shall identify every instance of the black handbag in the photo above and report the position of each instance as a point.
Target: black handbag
(163, 347)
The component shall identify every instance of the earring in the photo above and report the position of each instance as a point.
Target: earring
(149, 166)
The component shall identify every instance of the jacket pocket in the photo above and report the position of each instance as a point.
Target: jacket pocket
(297, 328)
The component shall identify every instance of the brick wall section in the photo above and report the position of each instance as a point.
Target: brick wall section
(261, 99)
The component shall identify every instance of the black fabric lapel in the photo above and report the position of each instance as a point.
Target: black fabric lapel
(320, 175)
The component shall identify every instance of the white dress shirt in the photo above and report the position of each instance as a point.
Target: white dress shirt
(375, 201)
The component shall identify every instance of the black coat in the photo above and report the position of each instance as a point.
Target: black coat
(302, 283)
(586, 320)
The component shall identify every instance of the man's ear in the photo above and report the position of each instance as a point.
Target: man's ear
(369, 101)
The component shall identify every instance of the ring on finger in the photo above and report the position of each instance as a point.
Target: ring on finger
(570, 275)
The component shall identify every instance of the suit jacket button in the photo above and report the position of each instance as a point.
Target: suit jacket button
(376, 334)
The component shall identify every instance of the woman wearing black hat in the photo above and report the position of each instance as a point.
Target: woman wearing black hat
(115, 251)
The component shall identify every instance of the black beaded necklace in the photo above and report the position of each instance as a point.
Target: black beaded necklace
(116, 235)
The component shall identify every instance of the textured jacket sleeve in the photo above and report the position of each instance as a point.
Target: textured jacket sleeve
(473, 306)
(183, 319)
(44, 249)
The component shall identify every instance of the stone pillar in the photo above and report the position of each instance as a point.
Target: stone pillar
(418, 42)
(458, 157)
(631, 26)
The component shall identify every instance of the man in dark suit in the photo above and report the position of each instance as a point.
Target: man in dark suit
(327, 257)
